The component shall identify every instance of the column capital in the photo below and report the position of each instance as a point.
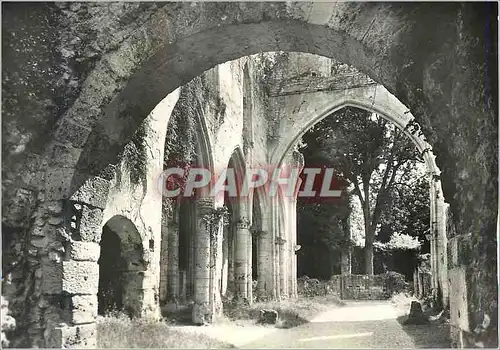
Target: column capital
(243, 223)
(204, 205)
(257, 232)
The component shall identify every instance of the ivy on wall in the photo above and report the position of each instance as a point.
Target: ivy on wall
(134, 156)
(181, 138)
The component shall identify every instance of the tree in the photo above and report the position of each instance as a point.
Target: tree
(371, 154)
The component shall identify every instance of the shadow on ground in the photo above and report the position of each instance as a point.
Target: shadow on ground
(436, 334)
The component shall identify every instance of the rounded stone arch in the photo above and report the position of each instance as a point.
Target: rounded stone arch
(374, 98)
(121, 268)
(317, 28)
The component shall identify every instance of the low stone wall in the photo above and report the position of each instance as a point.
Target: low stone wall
(356, 287)
(363, 287)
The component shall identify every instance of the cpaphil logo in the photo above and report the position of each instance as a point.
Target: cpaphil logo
(189, 181)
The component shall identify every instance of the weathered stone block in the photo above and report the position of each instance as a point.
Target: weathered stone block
(81, 337)
(39, 242)
(93, 192)
(58, 183)
(84, 251)
(84, 308)
(71, 132)
(268, 316)
(80, 277)
(52, 276)
(459, 316)
(416, 315)
(90, 224)
(64, 155)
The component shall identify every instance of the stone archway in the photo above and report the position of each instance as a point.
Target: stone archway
(121, 268)
(303, 109)
(444, 87)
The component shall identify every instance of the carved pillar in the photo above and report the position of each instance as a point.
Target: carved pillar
(241, 257)
(202, 312)
(216, 265)
(191, 230)
(225, 260)
(249, 268)
(292, 249)
(230, 257)
(164, 255)
(282, 266)
(74, 256)
(173, 257)
(274, 288)
(441, 243)
(432, 237)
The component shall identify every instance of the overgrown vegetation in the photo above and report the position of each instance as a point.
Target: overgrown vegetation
(122, 332)
(291, 312)
(134, 156)
(393, 282)
(379, 162)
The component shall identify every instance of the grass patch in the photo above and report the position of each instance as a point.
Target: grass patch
(122, 332)
(291, 312)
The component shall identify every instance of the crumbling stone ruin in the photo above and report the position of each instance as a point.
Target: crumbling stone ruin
(98, 98)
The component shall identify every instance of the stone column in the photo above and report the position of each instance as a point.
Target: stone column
(241, 257)
(173, 258)
(432, 237)
(78, 267)
(249, 268)
(293, 244)
(265, 278)
(443, 249)
(274, 251)
(164, 257)
(216, 266)
(281, 242)
(192, 229)
(202, 312)
(225, 260)
(230, 257)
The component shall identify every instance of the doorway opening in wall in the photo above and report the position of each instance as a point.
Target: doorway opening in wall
(121, 269)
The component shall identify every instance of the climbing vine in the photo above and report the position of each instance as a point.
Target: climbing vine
(134, 156)
(180, 141)
(213, 219)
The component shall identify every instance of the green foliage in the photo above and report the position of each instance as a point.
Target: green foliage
(395, 283)
(181, 138)
(379, 161)
(217, 217)
(134, 155)
(408, 213)
(311, 287)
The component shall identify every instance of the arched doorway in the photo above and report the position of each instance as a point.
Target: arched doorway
(121, 268)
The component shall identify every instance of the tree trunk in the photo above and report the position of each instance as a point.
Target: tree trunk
(369, 232)
(368, 258)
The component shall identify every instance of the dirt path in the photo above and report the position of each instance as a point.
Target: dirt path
(366, 324)
(358, 324)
